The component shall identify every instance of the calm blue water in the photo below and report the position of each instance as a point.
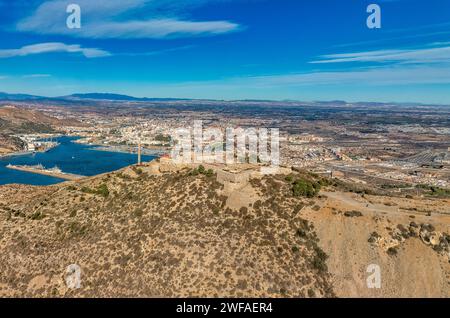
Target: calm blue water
(69, 157)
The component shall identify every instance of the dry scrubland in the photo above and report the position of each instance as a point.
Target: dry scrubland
(17, 120)
(140, 232)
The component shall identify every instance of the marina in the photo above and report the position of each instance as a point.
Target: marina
(72, 160)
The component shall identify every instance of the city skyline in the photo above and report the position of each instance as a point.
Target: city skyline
(258, 49)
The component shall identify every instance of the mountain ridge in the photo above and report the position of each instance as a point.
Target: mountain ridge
(95, 96)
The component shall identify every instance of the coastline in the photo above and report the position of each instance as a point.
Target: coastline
(27, 152)
(148, 151)
(25, 161)
(46, 172)
(130, 150)
(14, 154)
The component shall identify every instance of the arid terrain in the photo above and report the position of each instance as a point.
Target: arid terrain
(16, 120)
(162, 230)
(225, 155)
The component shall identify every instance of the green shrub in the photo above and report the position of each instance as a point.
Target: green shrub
(353, 213)
(86, 190)
(305, 188)
(201, 170)
(301, 233)
(37, 215)
(162, 138)
(138, 212)
(434, 191)
(103, 190)
(319, 260)
(194, 172)
(392, 251)
(373, 237)
(77, 229)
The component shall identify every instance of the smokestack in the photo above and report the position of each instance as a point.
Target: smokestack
(139, 154)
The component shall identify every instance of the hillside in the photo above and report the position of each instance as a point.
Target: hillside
(10, 144)
(21, 118)
(168, 231)
(16, 120)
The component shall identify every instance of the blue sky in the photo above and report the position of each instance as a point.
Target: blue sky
(229, 49)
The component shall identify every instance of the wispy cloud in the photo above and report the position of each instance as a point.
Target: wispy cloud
(114, 19)
(158, 28)
(400, 75)
(157, 52)
(52, 47)
(379, 76)
(416, 56)
(36, 75)
(408, 37)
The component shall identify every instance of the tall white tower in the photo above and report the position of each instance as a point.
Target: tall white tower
(139, 154)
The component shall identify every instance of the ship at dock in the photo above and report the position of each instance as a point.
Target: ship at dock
(40, 169)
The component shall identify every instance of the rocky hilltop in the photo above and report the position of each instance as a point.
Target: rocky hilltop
(165, 230)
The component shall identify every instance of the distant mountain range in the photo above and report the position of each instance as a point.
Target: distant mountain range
(6, 96)
(94, 96)
(126, 98)
(116, 97)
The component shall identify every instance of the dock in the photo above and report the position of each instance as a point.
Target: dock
(47, 172)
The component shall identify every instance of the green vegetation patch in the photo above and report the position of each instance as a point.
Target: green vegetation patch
(305, 188)
(435, 191)
(163, 138)
(101, 190)
(38, 215)
(201, 170)
(75, 228)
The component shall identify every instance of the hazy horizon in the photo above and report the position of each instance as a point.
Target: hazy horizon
(228, 50)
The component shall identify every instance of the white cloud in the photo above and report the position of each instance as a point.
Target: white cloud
(416, 56)
(53, 47)
(381, 76)
(371, 76)
(112, 19)
(36, 75)
(154, 29)
(157, 52)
